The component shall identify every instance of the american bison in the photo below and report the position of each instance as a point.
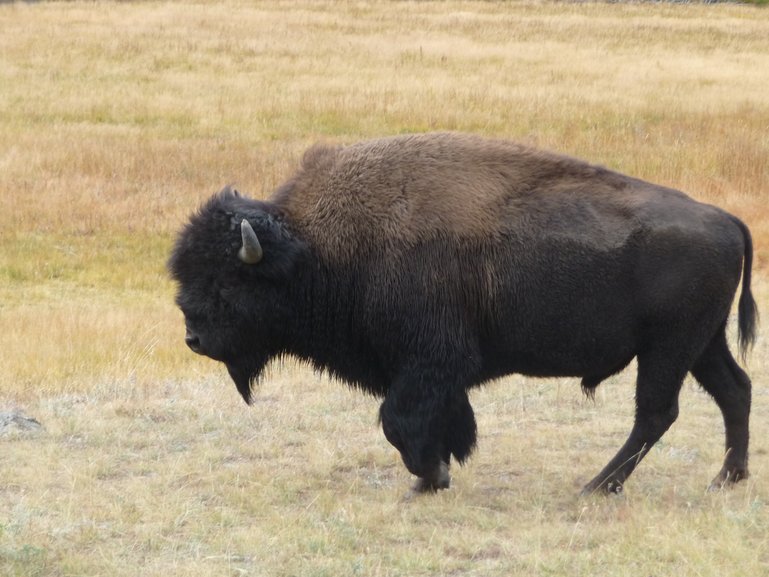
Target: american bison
(418, 267)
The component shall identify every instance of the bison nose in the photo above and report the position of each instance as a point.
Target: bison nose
(192, 341)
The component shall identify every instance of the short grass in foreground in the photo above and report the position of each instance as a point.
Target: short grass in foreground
(186, 480)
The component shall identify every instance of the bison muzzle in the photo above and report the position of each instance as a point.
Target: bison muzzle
(418, 267)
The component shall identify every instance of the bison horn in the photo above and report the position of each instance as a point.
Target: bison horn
(251, 251)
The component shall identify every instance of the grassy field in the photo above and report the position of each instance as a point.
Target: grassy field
(118, 119)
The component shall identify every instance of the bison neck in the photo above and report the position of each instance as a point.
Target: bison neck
(326, 331)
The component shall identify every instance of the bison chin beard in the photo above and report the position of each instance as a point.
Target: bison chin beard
(245, 373)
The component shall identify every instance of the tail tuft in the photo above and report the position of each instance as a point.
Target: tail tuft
(746, 308)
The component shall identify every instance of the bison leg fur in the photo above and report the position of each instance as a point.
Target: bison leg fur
(461, 430)
(718, 373)
(427, 425)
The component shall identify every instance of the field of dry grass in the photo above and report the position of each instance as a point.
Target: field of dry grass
(117, 119)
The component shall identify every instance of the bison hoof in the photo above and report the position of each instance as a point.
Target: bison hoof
(440, 479)
(727, 479)
(610, 487)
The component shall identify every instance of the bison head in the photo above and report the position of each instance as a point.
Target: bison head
(234, 264)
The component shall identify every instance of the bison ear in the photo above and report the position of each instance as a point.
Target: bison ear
(251, 251)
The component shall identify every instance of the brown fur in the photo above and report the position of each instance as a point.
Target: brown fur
(412, 189)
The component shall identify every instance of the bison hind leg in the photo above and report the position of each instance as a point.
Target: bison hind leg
(720, 375)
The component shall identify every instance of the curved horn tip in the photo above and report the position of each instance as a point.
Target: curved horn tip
(251, 251)
(229, 190)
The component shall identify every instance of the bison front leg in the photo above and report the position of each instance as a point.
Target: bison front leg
(414, 424)
(427, 424)
(434, 481)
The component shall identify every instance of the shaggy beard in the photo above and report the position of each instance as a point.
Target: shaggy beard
(245, 373)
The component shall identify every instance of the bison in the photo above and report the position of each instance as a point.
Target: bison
(417, 267)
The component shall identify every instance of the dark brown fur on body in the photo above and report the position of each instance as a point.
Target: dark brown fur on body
(416, 267)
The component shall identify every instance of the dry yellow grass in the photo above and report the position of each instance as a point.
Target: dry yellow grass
(117, 119)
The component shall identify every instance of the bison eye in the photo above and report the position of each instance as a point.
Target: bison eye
(228, 292)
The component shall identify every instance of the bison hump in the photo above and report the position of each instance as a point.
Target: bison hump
(401, 191)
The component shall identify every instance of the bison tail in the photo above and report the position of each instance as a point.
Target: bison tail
(747, 309)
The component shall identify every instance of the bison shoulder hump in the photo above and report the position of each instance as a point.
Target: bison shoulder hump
(389, 194)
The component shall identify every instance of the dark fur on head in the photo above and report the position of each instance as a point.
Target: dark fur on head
(220, 292)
